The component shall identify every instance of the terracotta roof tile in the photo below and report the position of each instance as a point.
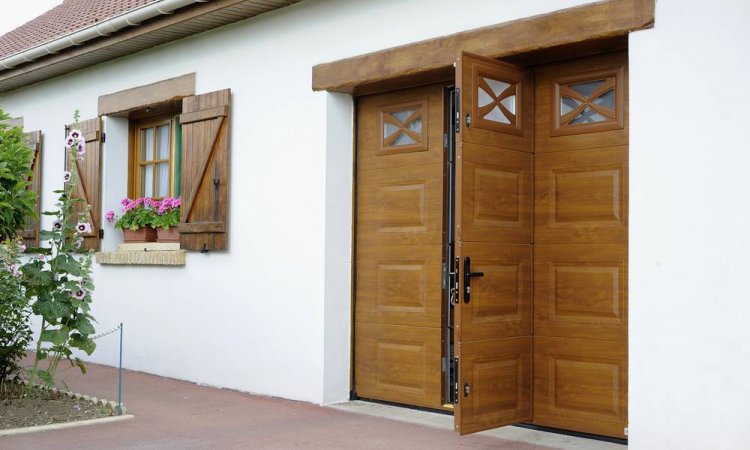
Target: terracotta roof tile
(64, 19)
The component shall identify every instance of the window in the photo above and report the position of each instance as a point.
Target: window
(404, 127)
(155, 159)
(588, 102)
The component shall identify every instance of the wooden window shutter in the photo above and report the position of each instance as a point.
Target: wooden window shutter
(205, 171)
(30, 233)
(89, 186)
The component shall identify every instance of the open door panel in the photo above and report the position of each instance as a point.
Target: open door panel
(493, 232)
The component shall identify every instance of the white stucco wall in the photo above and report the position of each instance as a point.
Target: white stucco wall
(271, 315)
(689, 240)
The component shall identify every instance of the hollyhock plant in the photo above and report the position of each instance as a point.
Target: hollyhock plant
(58, 282)
(167, 213)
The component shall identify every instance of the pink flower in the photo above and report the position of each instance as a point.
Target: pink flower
(78, 243)
(57, 225)
(21, 247)
(69, 142)
(66, 176)
(75, 134)
(13, 269)
(176, 203)
(79, 294)
(110, 216)
(148, 201)
(83, 227)
(81, 149)
(125, 201)
(139, 201)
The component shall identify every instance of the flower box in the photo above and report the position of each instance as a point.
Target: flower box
(169, 235)
(145, 234)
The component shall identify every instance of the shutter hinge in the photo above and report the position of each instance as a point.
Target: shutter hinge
(445, 141)
(101, 233)
(104, 137)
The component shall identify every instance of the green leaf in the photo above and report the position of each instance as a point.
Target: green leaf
(82, 343)
(45, 376)
(84, 326)
(47, 336)
(79, 362)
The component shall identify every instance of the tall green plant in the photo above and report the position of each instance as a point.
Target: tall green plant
(16, 201)
(59, 282)
(15, 333)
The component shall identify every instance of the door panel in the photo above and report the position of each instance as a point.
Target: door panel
(400, 206)
(581, 384)
(493, 230)
(554, 96)
(500, 300)
(398, 363)
(497, 195)
(498, 98)
(397, 285)
(399, 236)
(497, 383)
(582, 196)
(581, 291)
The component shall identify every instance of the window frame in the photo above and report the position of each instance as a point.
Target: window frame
(134, 160)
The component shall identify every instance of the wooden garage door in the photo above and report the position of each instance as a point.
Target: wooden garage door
(580, 245)
(399, 240)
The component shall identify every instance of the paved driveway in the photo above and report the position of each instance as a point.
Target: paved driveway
(172, 414)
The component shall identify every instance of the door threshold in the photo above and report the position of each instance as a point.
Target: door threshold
(444, 420)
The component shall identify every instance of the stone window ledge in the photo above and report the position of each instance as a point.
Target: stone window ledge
(144, 254)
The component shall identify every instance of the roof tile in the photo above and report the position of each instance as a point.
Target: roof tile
(64, 19)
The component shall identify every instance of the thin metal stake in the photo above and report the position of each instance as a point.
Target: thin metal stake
(119, 377)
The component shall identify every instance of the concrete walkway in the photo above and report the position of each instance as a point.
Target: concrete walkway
(172, 414)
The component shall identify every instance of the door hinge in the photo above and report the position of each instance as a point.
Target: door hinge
(104, 137)
(101, 233)
(457, 102)
(445, 141)
(454, 381)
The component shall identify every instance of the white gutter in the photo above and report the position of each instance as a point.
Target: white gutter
(104, 28)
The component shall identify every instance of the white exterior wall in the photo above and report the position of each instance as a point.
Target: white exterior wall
(689, 239)
(271, 315)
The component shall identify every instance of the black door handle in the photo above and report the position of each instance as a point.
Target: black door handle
(468, 275)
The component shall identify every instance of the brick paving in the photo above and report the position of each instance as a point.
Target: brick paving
(171, 414)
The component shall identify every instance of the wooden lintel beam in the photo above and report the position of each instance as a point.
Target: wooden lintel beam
(593, 21)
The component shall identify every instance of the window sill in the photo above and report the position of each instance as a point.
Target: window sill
(145, 254)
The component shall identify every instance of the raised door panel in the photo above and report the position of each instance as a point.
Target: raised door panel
(582, 104)
(499, 304)
(582, 196)
(496, 195)
(399, 285)
(495, 383)
(580, 291)
(400, 128)
(398, 364)
(581, 385)
(400, 206)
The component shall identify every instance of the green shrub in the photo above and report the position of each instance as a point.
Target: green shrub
(15, 334)
(16, 201)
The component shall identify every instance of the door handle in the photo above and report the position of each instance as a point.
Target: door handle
(468, 275)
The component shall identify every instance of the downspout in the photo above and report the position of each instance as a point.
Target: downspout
(104, 28)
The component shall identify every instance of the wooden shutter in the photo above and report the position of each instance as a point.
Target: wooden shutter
(89, 187)
(205, 171)
(30, 232)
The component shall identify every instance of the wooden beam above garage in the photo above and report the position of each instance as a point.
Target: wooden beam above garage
(596, 21)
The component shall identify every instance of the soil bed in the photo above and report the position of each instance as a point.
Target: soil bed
(24, 407)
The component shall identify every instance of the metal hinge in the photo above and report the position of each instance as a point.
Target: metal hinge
(445, 141)
(457, 102)
(101, 233)
(104, 137)
(454, 380)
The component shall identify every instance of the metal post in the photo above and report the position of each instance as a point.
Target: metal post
(119, 378)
